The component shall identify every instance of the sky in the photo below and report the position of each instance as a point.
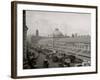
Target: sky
(46, 22)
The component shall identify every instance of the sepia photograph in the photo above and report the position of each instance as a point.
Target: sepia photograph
(56, 39)
(53, 39)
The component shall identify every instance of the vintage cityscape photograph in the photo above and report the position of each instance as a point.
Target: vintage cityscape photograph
(54, 39)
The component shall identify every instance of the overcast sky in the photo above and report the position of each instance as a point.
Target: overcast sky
(67, 23)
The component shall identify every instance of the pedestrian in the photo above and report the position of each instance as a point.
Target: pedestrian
(45, 63)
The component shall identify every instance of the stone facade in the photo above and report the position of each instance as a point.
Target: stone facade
(25, 28)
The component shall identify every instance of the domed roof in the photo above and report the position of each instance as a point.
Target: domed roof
(57, 33)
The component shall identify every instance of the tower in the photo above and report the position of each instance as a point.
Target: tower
(37, 32)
